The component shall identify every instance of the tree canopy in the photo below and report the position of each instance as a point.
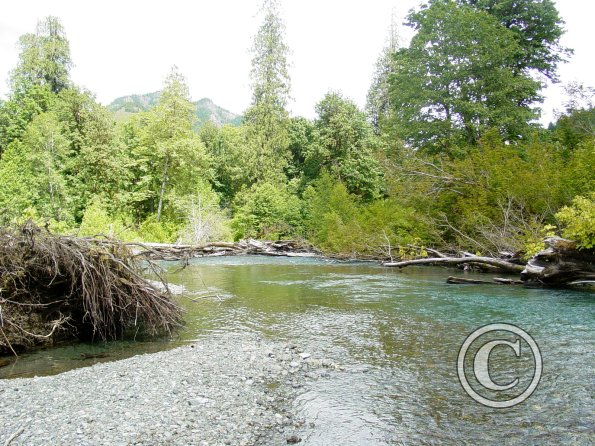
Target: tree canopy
(448, 154)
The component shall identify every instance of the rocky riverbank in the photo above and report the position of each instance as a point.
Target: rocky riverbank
(231, 389)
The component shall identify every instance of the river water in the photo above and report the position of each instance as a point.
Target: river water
(397, 335)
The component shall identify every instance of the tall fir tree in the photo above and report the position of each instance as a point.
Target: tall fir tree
(267, 119)
(378, 105)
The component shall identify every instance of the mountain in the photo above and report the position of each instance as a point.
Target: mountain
(206, 110)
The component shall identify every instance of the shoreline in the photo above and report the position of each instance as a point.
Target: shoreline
(232, 389)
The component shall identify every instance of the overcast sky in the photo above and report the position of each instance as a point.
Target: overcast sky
(127, 46)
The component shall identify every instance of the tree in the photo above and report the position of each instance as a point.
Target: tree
(44, 58)
(20, 109)
(537, 27)
(266, 211)
(42, 71)
(458, 79)
(31, 172)
(578, 221)
(267, 119)
(577, 124)
(235, 165)
(174, 155)
(96, 165)
(344, 144)
(378, 103)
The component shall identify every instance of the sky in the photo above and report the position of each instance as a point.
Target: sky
(127, 46)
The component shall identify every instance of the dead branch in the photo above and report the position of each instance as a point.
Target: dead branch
(453, 261)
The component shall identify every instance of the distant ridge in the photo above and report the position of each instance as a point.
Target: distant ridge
(206, 110)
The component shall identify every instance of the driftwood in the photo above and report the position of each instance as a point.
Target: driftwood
(55, 288)
(496, 281)
(502, 265)
(286, 248)
(561, 264)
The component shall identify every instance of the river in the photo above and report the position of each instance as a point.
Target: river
(397, 335)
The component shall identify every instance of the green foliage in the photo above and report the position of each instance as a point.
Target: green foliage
(234, 165)
(537, 27)
(578, 174)
(459, 78)
(578, 221)
(344, 144)
(533, 240)
(205, 221)
(97, 222)
(378, 103)
(463, 92)
(267, 120)
(95, 165)
(169, 158)
(19, 111)
(266, 211)
(44, 58)
(330, 215)
(31, 172)
(339, 222)
(270, 74)
(155, 231)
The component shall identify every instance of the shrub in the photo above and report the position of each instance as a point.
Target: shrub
(268, 211)
(578, 221)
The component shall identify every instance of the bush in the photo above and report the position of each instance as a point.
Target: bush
(96, 222)
(267, 211)
(205, 220)
(578, 221)
(155, 231)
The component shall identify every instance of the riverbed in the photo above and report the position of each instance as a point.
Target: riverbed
(394, 336)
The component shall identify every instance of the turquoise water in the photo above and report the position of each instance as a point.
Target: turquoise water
(397, 334)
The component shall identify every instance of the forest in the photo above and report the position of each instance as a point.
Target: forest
(448, 153)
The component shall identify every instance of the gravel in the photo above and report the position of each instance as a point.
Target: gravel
(229, 389)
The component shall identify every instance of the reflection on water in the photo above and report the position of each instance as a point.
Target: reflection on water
(397, 334)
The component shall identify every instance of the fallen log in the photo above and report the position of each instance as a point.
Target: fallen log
(560, 264)
(285, 248)
(494, 281)
(465, 281)
(453, 261)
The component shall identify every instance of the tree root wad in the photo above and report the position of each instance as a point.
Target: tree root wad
(56, 288)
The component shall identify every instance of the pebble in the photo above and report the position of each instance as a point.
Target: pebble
(222, 390)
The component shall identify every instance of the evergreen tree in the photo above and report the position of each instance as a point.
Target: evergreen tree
(267, 119)
(344, 145)
(378, 105)
(42, 71)
(44, 58)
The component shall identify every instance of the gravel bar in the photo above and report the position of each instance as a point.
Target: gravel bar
(229, 389)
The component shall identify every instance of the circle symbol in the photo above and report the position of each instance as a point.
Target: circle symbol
(481, 360)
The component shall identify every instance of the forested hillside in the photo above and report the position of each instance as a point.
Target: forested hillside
(206, 110)
(447, 153)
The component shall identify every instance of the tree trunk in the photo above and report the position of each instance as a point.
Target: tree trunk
(560, 264)
(162, 190)
(452, 261)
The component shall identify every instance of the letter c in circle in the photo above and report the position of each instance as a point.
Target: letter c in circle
(481, 364)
